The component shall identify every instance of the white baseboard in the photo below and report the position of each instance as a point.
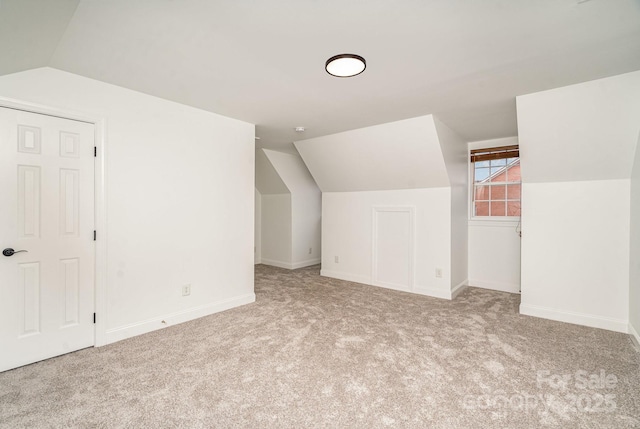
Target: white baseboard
(634, 334)
(290, 265)
(139, 328)
(502, 287)
(275, 263)
(441, 293)
(346, 276)
(257, 261)
(420, 290)
(459, 288)
(392, 286)
(432, 292)
(590, 320)
(307, 263)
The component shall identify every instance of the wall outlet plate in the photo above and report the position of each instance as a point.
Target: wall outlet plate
(186, 290)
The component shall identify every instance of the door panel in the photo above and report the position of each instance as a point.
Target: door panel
(46, 208)
(393, 248)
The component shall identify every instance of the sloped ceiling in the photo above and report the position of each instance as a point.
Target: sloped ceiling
(268, 181)
(30, 31)
(292, 171)
(263, 62)
(581, 132)
(399, 155)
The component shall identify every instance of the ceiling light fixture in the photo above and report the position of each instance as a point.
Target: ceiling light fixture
(299, 129)
(345, 65)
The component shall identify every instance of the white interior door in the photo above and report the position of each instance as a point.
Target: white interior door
(46, 211)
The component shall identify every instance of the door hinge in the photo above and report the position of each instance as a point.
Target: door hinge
(94, 235)
(95, 151)
(94, 317)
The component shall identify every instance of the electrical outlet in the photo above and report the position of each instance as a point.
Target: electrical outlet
(310, 250)
(438, 272)
(336, 259)
(186, 290)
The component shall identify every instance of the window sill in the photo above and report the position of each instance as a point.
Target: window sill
(494, 222)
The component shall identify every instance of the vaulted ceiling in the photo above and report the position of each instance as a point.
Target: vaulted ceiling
(263, 61)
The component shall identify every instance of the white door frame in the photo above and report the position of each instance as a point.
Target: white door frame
(100, 202)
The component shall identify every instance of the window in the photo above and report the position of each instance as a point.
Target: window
(496, 181)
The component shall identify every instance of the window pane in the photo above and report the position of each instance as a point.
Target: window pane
(497, 187)
(513, 173)
(499, 175)
(481, 209)
(499, 192)
(513, 208)
(481, 174)
(513, 192)
(482, 192)
(498, 208)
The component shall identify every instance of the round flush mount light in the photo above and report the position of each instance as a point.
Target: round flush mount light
(345, 65)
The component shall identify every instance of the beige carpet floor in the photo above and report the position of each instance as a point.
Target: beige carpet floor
(318, 352)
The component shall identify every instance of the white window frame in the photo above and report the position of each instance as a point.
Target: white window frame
(471, 193)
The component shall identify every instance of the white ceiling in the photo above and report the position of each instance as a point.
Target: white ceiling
(263, 61)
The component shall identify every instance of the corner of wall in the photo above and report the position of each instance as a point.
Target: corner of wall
(157, 323)
(455, 153)
(257, 236)
(584, 319)
(635, 335)
(457, 289)
(634, 246)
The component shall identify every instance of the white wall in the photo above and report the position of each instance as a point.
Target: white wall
(347, 232)
(179, 201)
(275, 213)
(634, 254)
(417, 165)
(577, 147)
(257, 228)
(494, 245)
(276, 230)
(455, 153)
(306, 207)
(575, 252)
(494, 255)
(306, 229)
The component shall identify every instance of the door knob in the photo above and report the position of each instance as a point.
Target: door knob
(9, 251)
